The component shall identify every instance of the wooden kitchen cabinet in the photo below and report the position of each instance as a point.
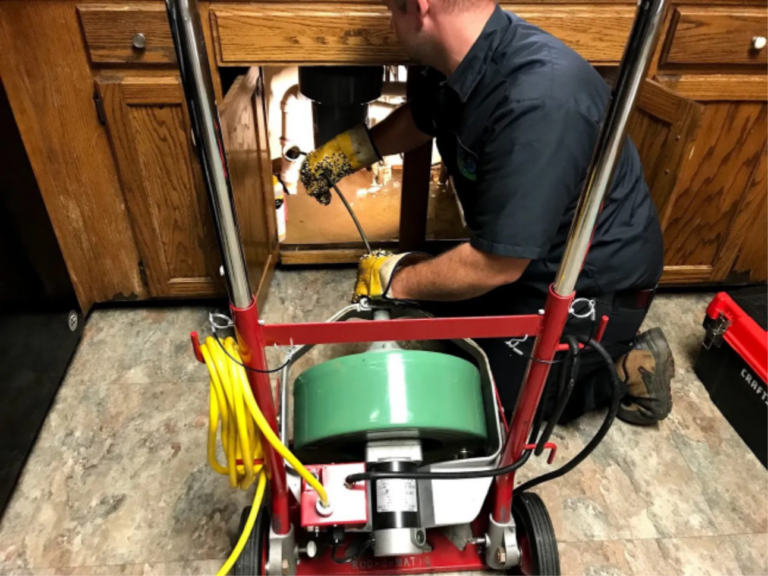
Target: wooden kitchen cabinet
(714, 35)
(711, 191)
(49, 82)
(682, 140)
(95, 90)
(122, 186)
(127, 33)
(149, 130)
(145, 114)
(354, 33)
(663, 127)
(749, 246)
(714, 218)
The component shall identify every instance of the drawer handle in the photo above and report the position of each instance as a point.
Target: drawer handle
(140, 41)
(758, 42)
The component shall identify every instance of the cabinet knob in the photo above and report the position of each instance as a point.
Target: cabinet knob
(758, 42)
(140, 41)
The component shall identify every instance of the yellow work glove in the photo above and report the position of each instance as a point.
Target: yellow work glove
(376, 270)
(346, 153)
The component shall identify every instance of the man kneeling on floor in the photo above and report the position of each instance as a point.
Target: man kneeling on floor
(516, 114)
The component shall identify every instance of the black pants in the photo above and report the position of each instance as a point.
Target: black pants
(593, 385)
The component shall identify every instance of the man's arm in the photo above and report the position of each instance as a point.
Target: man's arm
(398, 133)
(518, 204)
(462, 273)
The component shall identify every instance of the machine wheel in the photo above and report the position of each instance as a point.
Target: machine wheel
(535, 536)
(253, 558)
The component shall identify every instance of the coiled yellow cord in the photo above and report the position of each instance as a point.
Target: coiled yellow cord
(233, 410)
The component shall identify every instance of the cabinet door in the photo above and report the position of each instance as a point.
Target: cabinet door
(704, 227)
(664, 127)
(743, 258)
(149, 131)
(244, 129)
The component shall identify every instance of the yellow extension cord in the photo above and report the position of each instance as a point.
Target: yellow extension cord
(233, 409)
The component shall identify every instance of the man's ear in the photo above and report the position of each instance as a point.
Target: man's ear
(422, 7)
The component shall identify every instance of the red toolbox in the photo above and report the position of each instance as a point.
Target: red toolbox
(733, 363)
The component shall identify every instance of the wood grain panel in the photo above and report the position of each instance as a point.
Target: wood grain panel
(663, 128)
(109, 31)
(162, 183)
(719, 87)
(45, 71)
(712, 182)
(682, 274)
(243, 127)
(346, 254)
(715, 35)
(301, 256)
(278, 33)
(744, 255)
(598, 33)
(273, 33)
(205, 19)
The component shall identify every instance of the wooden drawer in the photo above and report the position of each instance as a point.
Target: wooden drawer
(111, 29)
(710, 35)
(277, 33)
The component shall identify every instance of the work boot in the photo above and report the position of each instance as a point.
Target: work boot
(647, 370)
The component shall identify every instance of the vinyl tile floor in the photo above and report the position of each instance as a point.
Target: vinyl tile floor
(118, 481)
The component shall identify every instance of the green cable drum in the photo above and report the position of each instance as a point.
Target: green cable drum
(342, 403)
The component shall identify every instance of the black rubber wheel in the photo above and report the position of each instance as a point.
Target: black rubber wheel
(253, 558)
(535, 536)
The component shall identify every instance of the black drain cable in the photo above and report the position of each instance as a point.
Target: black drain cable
(293, 154)
(610, 416)
(568, 372)
(351, 213)
(355, 478)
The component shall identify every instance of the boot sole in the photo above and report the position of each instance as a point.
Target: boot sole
(656, 343)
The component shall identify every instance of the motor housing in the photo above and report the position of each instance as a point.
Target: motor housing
(395, 503)
(342, 405)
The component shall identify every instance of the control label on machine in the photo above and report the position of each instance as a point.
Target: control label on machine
(395, 495)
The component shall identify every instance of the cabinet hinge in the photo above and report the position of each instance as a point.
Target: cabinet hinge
(99, 103)
(143, 274)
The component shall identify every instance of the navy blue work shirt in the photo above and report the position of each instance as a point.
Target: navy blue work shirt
(515, 125)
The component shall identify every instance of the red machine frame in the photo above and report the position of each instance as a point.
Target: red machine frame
(253, 336)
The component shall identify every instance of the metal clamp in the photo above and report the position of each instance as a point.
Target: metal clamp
(364, 304)
(513, 343)
(219, 321)
(287, 351)
(502, 551)
(590, 312)
(283, 553)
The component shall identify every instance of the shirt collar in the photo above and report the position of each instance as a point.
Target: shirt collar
(473, 66)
